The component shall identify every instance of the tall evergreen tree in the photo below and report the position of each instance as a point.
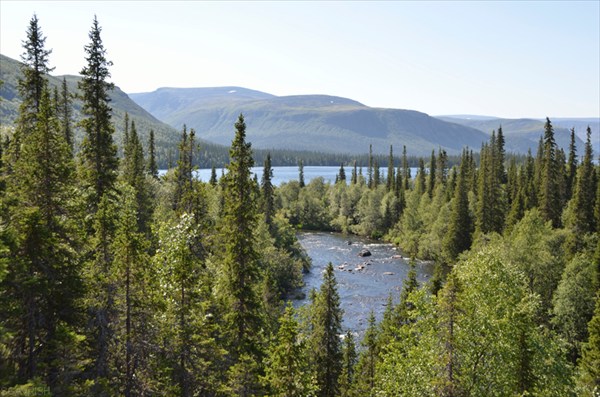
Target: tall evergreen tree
(370, 168)
(458, 238)
(34, 70)
(42, 286)
(349, 359)
(405, 169)
(240, 267)
(571, 166)
(98, 155)
(549, 201)
(441, 172)
(589, 366)
(367, 362)
(354, 177)
(65, 114)
(152, 165)
(301, 174)
(342, 174)
(376, 175)
(268, 192)
(287, 371)
(431, 178)
(584, 194)
(391, 178)
(324, 340)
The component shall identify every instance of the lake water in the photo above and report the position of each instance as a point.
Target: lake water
(360, 290)
(286, 174)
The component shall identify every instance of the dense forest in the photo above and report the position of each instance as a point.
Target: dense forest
(115, 281)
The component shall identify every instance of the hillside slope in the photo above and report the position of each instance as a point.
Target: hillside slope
(166, 137)
(523, 133)
(305, 122)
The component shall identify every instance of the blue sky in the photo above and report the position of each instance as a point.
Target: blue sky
(506, 59)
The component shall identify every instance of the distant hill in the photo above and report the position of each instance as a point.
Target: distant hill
(166, 137)
(523, 133)
(305, 122)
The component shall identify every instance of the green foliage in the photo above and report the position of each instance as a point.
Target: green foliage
(287, 373)
(324, 342)
(574, 301)
(98, 161)
(589, 365)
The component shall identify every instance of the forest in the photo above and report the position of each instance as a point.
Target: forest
(115, 281)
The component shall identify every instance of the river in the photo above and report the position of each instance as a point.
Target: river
(360, 290)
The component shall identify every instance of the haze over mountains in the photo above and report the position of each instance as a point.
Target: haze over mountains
(334, 124)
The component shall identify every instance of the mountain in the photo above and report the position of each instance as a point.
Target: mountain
(305, 122)
(166, 137)
(524, 133)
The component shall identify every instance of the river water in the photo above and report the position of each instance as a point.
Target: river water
(360, 290)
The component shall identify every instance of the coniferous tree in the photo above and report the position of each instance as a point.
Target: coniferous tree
(420, 182)
(341, 176)
(42, 284)
(584, 194)
(349, 359)
(287, 371)
(431, 178)
(132, 264)
(98, 155)
(134, 175)
(376, 175)
(549, 201)
(34, 70)
(367, 361)
(152, 165)
(441, 172)
(370, 168)
(405, 169)
(354, 177)
(65, 114)
(571, 166)
(268, 192)
(240, 267)
(301, 174)
(324, 339)
(213, 176)
(458, 238)
(391, 178)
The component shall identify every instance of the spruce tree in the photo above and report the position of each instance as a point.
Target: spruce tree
(431, 178)
(354, 178)
(65, 114)
(584, 194)
(152, 165)
(458, 238)
(240, 267)
(342, 174)
(98, 155)
(571, 166)
(405, 169)
(34, 70)
(287, 373)
(367, 361)
(301, 173)
(441, 172)
(349, 359)
(213, 176)
(42, 286)
(370, 168)
(376, 175)
(391, 178)
(549, 188)
(325, 345)
(267, 192)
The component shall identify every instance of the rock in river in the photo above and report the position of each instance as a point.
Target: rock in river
(364, 252)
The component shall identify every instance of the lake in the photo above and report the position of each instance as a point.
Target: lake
(286, 174)
(360, 290)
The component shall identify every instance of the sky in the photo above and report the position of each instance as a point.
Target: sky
(508, 59)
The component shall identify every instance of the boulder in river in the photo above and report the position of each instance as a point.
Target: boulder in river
(364, 252)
